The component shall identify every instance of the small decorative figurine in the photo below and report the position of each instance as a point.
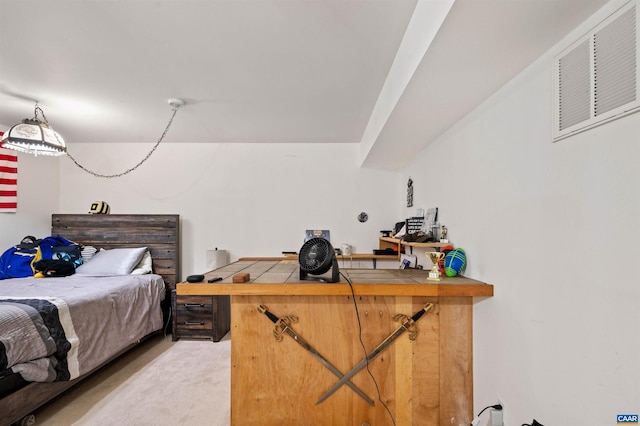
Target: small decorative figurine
(410, 193)
(443, 233)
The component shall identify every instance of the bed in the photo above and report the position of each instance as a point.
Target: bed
(101, 316)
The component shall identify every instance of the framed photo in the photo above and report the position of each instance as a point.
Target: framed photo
(431, 216)
(317, 233)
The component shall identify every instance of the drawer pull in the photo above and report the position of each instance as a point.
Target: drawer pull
(194, 323)
(193, 305)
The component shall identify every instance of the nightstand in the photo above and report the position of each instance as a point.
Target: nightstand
(200, 317)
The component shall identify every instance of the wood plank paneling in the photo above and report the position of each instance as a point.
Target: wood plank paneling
(456, 364)
(160, 233)
(424, 381)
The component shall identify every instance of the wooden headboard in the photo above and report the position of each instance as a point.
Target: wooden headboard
(160, 233)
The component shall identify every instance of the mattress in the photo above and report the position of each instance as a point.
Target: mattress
(55, 329)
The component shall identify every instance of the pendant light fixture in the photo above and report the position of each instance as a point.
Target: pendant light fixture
(35, 136)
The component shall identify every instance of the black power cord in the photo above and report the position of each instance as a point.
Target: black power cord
(355, 305)
(495, 407)
(534, 423)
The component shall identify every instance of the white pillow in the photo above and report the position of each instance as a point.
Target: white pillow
(112, 262)
(144, 266)
(87, 253)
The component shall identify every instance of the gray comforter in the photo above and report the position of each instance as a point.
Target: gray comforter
(54, 329)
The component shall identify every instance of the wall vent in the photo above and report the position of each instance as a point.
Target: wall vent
(596, 78)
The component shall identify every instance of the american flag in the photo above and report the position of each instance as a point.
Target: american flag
(8, 181)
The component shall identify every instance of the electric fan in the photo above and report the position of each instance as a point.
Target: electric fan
(316, 257)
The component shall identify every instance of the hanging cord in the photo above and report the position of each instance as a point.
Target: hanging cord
(355, 305)
(175, 108)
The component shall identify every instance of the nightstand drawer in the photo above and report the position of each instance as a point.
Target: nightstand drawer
(200, 317)
(188, 321)
(194, 304)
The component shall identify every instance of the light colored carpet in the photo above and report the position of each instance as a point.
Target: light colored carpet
(160, 382)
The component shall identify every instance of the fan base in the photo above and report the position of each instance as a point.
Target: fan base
(334, 276)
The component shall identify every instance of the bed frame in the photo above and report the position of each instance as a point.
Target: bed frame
(160, 233)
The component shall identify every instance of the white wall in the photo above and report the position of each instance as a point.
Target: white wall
(555, 228)
(251, 199)
(37, 198)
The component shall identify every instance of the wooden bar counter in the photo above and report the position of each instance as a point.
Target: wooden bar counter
(426, 381)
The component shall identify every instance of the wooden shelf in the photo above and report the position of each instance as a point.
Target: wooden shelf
(354, 256)
(396, 244)
(396, 241)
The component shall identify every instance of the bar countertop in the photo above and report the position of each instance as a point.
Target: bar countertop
(281, 277)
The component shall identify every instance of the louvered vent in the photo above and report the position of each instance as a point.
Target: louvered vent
(597, 77)
(575, 87)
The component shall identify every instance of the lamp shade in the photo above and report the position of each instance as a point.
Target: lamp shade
(34, 137)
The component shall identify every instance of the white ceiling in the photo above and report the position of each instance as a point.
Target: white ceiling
(269, 70)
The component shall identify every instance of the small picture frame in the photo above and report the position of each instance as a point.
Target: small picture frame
(431, 216)
(317, 233)
(408, 261)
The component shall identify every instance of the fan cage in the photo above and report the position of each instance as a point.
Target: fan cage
(316, 255)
